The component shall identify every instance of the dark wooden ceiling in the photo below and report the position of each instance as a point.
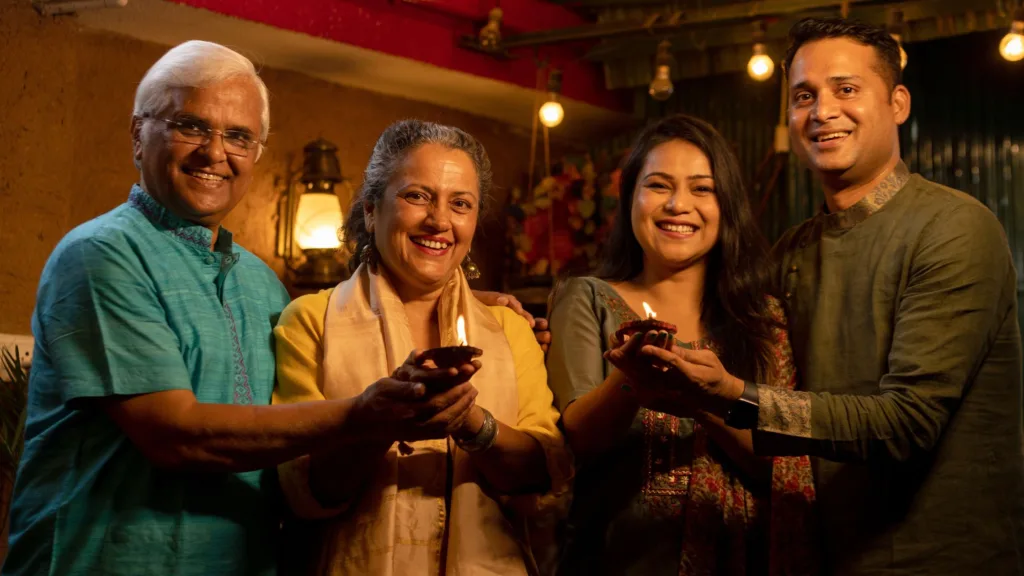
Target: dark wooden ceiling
(715, 36)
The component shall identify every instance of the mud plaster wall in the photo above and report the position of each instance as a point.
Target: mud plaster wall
(65, 156)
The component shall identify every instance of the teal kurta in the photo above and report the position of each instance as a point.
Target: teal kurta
(903, 321)
(135, 302)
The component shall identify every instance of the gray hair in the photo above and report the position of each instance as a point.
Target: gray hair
(397, 141)
(196, 64)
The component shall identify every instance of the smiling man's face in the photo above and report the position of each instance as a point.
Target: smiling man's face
(844, 115)
(200, 183)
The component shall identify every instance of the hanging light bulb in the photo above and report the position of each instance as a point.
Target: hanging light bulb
(551, 112)
(1012, 45)
(760, 67)
(896, 26)
(661, 87)
(903, 53)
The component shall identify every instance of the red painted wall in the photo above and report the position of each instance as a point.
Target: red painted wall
(428, 31)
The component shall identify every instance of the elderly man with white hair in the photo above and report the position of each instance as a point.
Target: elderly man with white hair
(149, 422)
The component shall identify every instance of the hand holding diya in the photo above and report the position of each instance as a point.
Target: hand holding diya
(651, 323)
(453, 356)
(445, 358)
(626, 331)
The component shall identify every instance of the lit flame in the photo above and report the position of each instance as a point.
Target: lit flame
(460, 327)
(650, 313)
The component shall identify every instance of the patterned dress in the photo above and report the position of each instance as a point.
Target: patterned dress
(666, 500)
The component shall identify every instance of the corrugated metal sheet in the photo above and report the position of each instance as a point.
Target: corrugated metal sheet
(966, 131)
(966, 128)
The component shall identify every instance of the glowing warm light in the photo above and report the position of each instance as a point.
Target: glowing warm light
(318, 222)
(661, 87)
(760, 67)
(903, 53)
(551, 114)
(1012, 47)
(460, 327)
(650, 313)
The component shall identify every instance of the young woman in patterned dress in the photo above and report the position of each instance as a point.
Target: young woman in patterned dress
(661, 489)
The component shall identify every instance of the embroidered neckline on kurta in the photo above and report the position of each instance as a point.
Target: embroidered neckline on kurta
(200, 238)
(623, 313)
(667, 466)
(192, 234)
(872, 202)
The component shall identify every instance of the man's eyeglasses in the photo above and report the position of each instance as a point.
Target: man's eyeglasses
(236, 142)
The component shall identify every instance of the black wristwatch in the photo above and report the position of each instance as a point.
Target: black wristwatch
(743, 412)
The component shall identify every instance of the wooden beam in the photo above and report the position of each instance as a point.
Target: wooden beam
(916, 13)
(671, 20)
(727, 49)
(692, 40)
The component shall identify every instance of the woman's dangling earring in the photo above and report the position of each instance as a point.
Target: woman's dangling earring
(368, 256)
(470, 269)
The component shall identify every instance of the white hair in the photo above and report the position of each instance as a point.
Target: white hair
(196, 64)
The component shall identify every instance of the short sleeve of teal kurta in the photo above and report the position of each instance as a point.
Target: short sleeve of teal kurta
(136, 302)
(108, 331)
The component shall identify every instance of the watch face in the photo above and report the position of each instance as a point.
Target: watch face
(743, 415)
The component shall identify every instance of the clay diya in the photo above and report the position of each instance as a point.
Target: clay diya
(446, 357)
(631, 327)
(453, 356)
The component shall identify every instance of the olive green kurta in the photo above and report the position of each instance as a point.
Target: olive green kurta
(903, 321)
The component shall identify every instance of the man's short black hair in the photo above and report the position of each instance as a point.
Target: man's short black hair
(812, 29)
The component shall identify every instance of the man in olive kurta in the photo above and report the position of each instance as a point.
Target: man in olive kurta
(901, 303)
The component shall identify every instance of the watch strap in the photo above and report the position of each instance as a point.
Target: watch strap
(743, 413)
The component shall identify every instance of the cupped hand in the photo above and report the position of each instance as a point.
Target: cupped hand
(398, 410)
(645, 375)
(696, 374)
(418, 368)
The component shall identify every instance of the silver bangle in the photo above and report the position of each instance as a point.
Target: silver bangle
(484, 439)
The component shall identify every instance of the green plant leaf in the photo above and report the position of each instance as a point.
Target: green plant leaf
(13, 399)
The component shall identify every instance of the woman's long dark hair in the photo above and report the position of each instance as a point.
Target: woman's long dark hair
(735, 310)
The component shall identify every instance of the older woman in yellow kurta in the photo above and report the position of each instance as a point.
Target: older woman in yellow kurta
(442, 489)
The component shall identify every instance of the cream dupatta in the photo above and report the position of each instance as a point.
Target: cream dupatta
(401, 524)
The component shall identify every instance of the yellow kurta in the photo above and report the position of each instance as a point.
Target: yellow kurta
(300, 350)
(299, 336)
